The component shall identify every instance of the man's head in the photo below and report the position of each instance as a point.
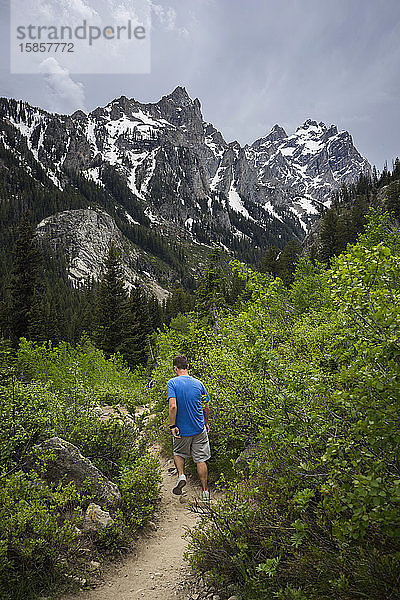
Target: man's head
(180, 363)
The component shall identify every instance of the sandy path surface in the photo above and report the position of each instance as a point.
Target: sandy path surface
(157, 569)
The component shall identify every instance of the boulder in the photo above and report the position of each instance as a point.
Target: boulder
(66, 462)
(96, 518)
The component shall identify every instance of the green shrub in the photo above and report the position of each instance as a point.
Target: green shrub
(48, 391)
(38, 546)
(80, 375)
(320, 400)
(139, 486)
(110, 444)
(114, 537)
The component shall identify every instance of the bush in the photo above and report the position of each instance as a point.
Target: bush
(38, 546)
(140, 486)
(114, 537)
(319, 379)
(48, 391)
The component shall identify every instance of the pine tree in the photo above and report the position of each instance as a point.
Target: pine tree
(122, 321)
(24, 280)
(155, 313)
(135, 346)
(358, 212)
(328, 235)
(396, 170)
(385, 176)
(270, 264)
(287, 261)
(393, 198)
(374, 177)
(179, 301)
(210, 294)
(111, 307)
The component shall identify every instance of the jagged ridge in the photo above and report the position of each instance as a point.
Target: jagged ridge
(170, 171)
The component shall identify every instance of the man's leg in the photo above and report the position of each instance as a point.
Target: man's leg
(179, 464)
(202, 473)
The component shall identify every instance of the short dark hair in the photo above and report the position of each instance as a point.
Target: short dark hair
(180, 362)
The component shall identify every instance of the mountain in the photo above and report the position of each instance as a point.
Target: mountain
(163, 184)
(299, 172)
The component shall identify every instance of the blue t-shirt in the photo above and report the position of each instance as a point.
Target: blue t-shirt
(190, 393)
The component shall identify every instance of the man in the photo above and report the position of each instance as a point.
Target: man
(188, 416)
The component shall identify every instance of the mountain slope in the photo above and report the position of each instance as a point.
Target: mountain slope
(170, 182)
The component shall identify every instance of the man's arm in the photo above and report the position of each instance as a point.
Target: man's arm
(205, 398)
(206, 412)
(172, 416)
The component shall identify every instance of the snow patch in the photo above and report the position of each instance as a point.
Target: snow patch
(149, 171)
(287, 151)
(306, 204)
(151, 216)
(131, 220)
(90, 134)
(271, 210)
(236, 203)
(217, 178)
(93, 174)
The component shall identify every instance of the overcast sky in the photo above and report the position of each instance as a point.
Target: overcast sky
(251, 63)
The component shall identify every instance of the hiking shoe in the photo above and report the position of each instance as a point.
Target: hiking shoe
(179, 485)
(205, 496)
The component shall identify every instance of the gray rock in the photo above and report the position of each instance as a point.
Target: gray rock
(86, 235)
(66, 462)
(94, 565)
(301, 171)
(96, 518)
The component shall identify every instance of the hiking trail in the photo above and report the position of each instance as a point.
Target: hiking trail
(156, 569)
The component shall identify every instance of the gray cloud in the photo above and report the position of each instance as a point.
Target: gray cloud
(65, 95)
(253, 63)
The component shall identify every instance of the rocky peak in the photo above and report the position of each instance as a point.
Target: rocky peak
(179, 96)
(302, 170)
(79, 115)
(166, 156)
(310, 123)
(214, 134)
(276, 133)
(331, 131)
(181, 111)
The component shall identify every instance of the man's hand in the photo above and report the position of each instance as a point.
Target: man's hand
(207, 428)
(175, 432)
(172, 417)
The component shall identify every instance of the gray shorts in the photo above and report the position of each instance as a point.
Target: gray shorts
(196, 445)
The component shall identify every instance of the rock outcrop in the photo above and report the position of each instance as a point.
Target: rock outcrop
(64, 462)
(299, 172)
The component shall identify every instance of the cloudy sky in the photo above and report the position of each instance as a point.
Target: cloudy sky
(251, 63)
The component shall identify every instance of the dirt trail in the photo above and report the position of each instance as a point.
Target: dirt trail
(157, 569)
